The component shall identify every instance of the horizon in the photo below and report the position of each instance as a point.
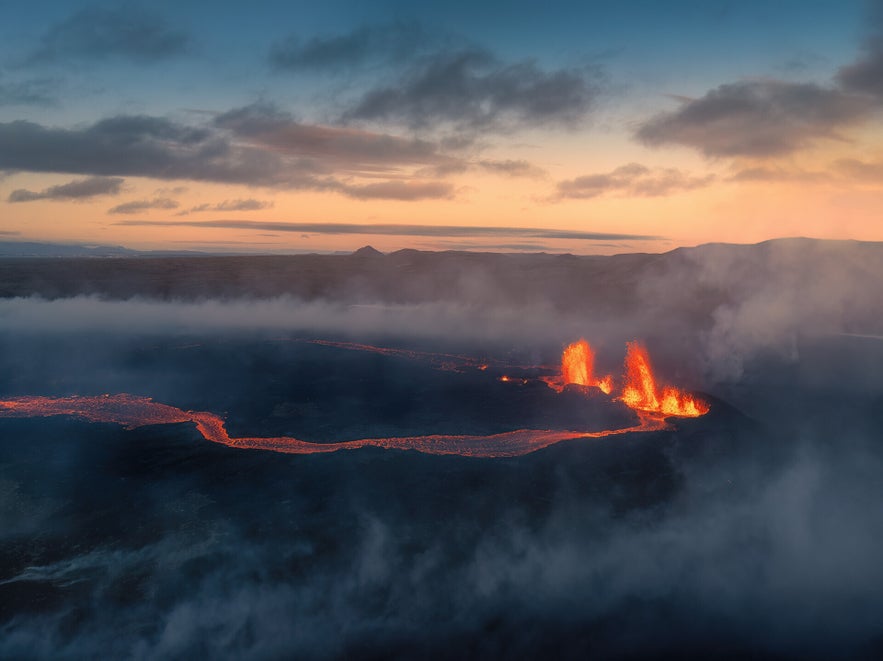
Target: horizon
(580, 128)
(125, 251)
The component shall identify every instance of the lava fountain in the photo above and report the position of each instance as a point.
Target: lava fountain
(578, 367)
(641, 392)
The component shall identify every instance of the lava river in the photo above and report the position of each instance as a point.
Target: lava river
(640, 392)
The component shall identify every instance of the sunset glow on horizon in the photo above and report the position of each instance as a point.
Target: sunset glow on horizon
(582, 127)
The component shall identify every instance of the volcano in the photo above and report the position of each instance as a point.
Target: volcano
(648, 456)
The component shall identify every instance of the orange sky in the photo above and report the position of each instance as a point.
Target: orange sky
(151, 145)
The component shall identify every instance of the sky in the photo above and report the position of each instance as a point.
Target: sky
(563, 126)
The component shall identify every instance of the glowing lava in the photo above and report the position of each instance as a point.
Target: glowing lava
(132, 411)
(578, 367)
(640, 391)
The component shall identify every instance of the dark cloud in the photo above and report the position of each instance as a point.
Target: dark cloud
(865, 74)
(368, 44)
(249, 204)
(158, 148)
(396, 230)
(352, 149)
(139, 206)
(99, 33)
(756, 119)
(124, 145)
(632, 179)
(470, 89)
(73, 190)
(248, 146)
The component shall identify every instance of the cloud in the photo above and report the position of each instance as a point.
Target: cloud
(401, 190)
(512, 168)
(632, 179)
(136, 145)
(756, 119)
(506, 168)
(368, 44)
(395, 230)
(33, 92)
(232, 205)
(138, 206)
(865, 74)
(778, 174)
(96, 33)
(252, 146)
(861, 169)
(353, 150)
(470, 89)
(73, 190)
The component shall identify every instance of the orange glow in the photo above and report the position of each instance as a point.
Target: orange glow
(606, 384)
(577, 363)
(132, 411)
(578, 368)
(641, 392)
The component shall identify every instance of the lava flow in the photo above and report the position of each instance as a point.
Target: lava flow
(132, 411)
(639, 392)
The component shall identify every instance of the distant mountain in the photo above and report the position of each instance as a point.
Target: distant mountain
(35, 249)
(704, 287)
(78, 250)
(367, 251)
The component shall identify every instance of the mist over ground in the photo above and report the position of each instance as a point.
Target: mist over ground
(753, 530)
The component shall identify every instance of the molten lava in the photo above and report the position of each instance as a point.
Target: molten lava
(578, 367)
(577, 363)
(132, 411)
(641, 392)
